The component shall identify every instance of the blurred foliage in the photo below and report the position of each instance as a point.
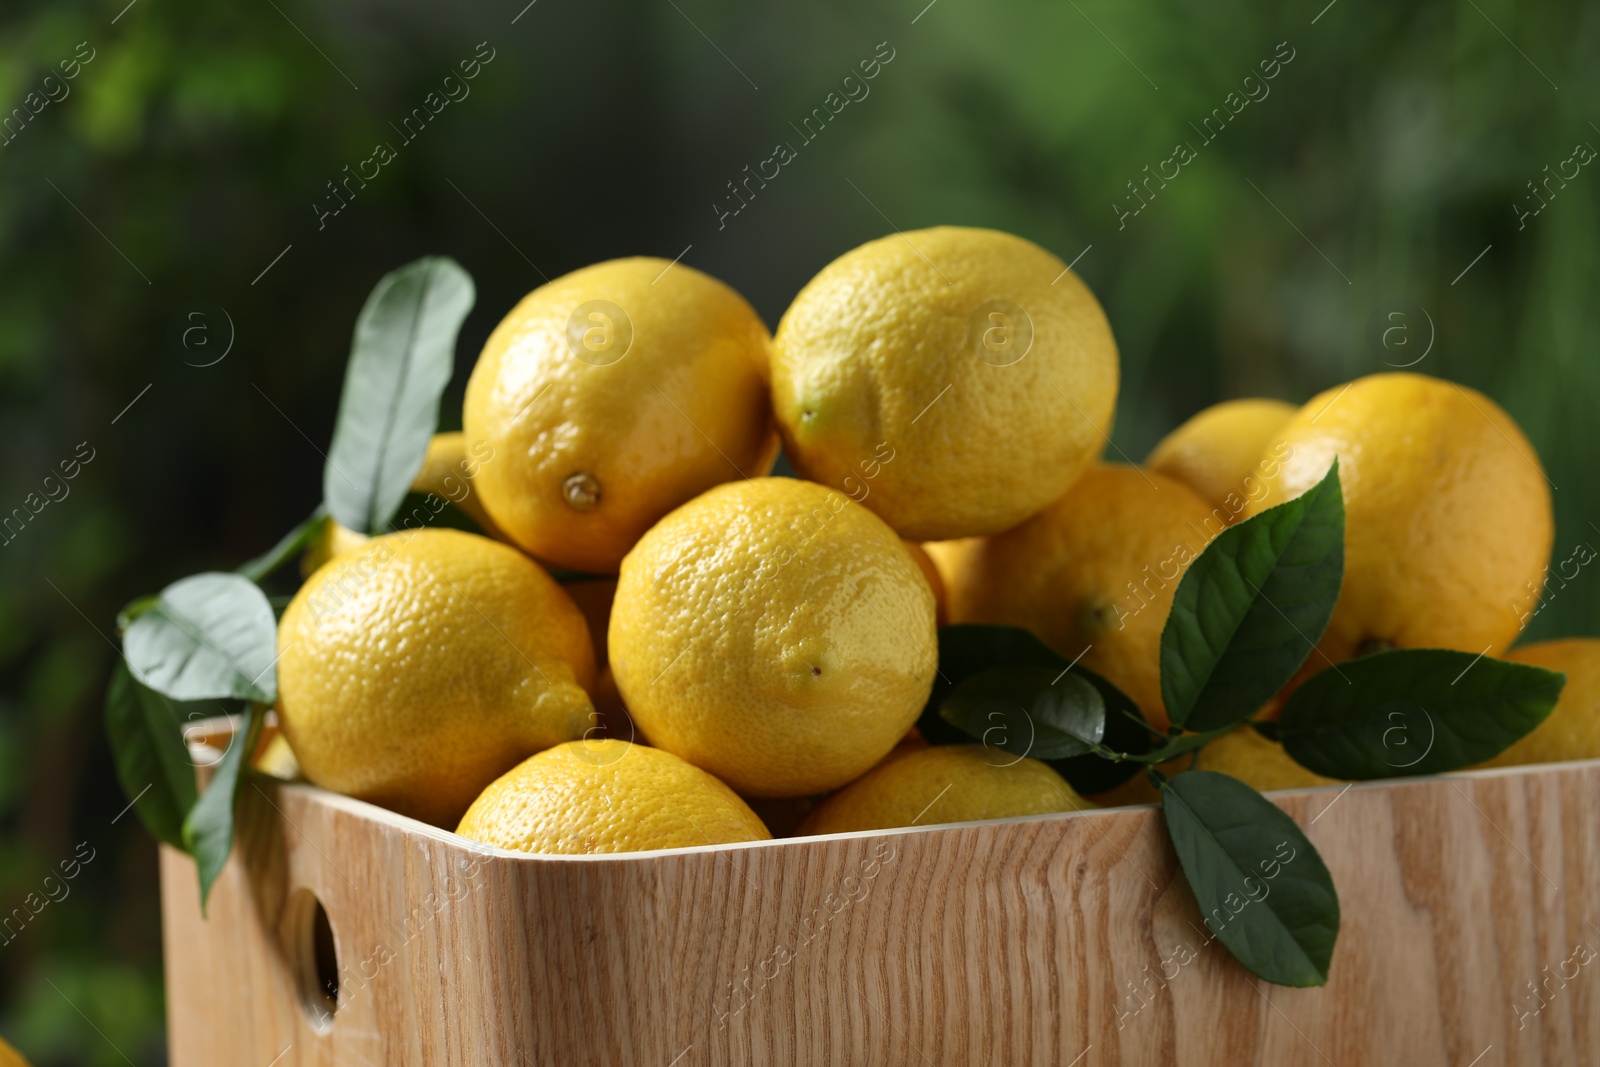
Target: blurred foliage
(189, 151)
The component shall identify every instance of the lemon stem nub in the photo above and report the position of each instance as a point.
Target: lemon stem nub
(1096, 616)
(580, 491)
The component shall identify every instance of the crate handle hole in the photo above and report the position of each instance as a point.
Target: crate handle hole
(315, 956)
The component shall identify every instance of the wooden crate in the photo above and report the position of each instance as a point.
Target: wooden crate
(1048, 940)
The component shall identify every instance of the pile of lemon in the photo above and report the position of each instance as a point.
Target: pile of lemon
(731, 656)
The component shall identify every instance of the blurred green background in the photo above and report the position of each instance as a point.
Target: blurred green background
(187, 154)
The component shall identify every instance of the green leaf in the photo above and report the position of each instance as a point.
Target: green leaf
(209, 636)
(1414, 711)
(1251, 608)
(1126, 732)
(970, 648)
(289, 546)
(133, 609)
(208, 831)
(1040, 712)
(1262, 889)
(1178, 746)
(400, 361)
(152, 759)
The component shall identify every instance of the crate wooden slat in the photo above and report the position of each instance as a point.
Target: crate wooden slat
(1020, 942)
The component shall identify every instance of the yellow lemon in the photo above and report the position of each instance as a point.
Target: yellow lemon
(947, 557)
(448, 471)
(1256, 761)
(611, 718)
(774, 633)
(953, 380)
(418, 668)
(10, 1057)
(1093, 575)
(1219, 452)
(609, 397)
(1573, 729)
(930, 571)
(1137, 790)
(277, 760)
(1242, 753)
(944, 784)
(332, 540)
(1448, 525)
(593, 597)
(781, 815)
(913, 741)
(585, 797)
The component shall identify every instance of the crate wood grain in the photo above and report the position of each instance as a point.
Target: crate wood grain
(1052, 940)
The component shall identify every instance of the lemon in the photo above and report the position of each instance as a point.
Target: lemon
(417, 669)
(944, 784)
(1572, 731)
(1093, 575)
(1243, 753)
(913, 741)
(781, 815)
(1257, 761)
(775, 634)
(277, 760)
(10, 1057)
(1138, 790)
(609, 397)
(611, 718)
(930, 571)
(585, 797)
(1219, 452)
(332, 540)
(947, 557)
(953, 380)
(448, 471)
(1448, 525)
(593, 597)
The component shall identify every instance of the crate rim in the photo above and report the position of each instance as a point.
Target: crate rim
(223, 725)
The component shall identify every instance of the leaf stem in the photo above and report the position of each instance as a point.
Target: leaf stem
(133, 609)
(1144, 724)
(289, 546)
